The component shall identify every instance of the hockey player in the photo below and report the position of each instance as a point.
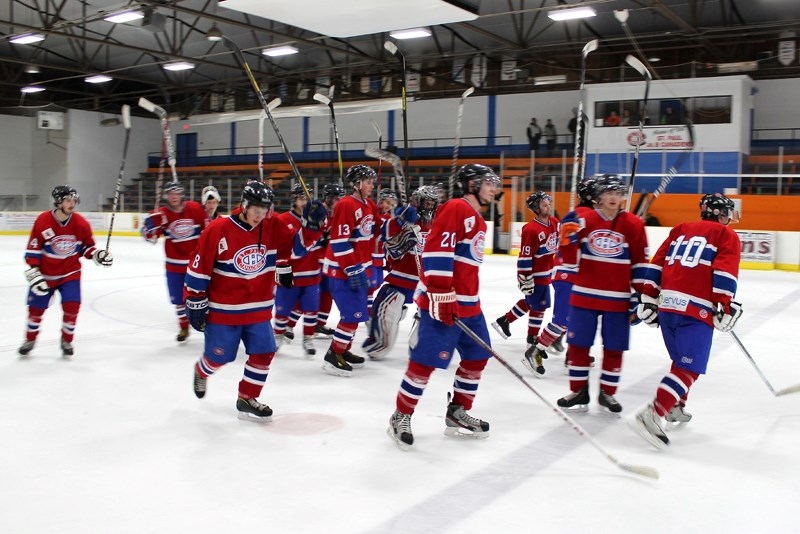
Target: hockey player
(449, 289)
(538, 245)
(387, 202)
(59, 238)
(403, 245)
(211, 199)
(298, 279)
(563, 276)
(180, 222)
(608, 246)
(229, 288)
(689, 290)
(332, 194)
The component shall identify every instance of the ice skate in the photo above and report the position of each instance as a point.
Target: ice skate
(308, 346)
(252, 410)
(183, 335)
(323, 332)
(557, 347)
(356, 362)
(646, 424)
(25, 348)
(334, 364)
(279, 340)
(677, 418)
(501, 325)
(609, 402)
(288, 334)
(575, 402)
(400, 430)
(67, 350)
(461, 424)
(199, 385)
(532, 360)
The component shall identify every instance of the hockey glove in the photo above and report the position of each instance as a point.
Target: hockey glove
(37, 282)
(314, 215)
(103, 258)
(444, 307)
(406, 215)
(326, 237)
(525, 283)
(401, 242)
(283, 274)
(196, 312)
(356, 277)
(151, 236)
(647, 310)
(570, 226)
(725, 319)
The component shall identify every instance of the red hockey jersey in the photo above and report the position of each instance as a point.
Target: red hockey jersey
(611, 257)
(307, 270)
(566, 273)
(452, 255)
(55, 247)
(351, 236)
(537, 248)
(181, 230)
(695, 269)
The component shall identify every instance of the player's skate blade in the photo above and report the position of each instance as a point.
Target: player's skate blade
(252, 410)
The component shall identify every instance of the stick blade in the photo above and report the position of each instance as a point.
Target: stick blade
(591, 46)
(146, 104)
(274, 104)
(390, 47)
(787, 391)
(641, 470)
(319, 97)
(126, 116)
(468, 92)
(637, 65)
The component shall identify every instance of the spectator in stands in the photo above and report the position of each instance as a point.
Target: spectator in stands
(626, 119)
(572, 125)
(612, 119)
(534, 132)
(669, 116)
(550, 136)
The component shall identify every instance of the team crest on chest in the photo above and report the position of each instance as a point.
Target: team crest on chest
(181, 228)
(366, 225)
(606, 243)
(250, 259)
(552, 242)
(477, 245)
(63, 245)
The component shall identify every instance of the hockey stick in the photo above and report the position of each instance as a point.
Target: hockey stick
(243, 62)
(261, 118)
(397, 165)
(641, 470)
(167, 141)
(457, 144)
(126, 122)
(644, 206)
(328, 101)
(784, 391)
(641, 69)
(392, 49)
(590, 47)
(380, 147)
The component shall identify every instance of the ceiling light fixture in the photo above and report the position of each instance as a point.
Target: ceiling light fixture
(550, 80)
(98, 78)
(125, 16)
(285, 50)
(27, 38)
(32, 89)
(32, 69)
(179, 65)
(572, 13)
(214, 34)
(654, 59)
(413, 33)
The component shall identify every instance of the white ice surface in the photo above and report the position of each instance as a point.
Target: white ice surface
(115, 441)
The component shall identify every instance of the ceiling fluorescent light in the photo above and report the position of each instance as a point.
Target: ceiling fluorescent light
(32, 69)
(32, 89)
(28, 38)
(179, 65)
(125, 16)
(286, 50)
(550, 80)
(413, 33)
(572, 13)
(98, 78)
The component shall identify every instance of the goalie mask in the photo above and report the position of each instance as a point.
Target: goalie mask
(426, 200)
(716, 205)
(471, 177)
(210, 192)
(62, 192)
(535, 199)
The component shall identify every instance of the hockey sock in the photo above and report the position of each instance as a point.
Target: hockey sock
(180, 311)
(579, 365)
(34, 322)
(609, 376)
(255, 374)
(280, 325)
(325, 305)
(206, 367)
(673, 388)
(309, 323)
(465, 384)
(535, 320)
(294, 318)
(70, 318)
(343, 336)
(550, 333)
(518, 310)
(412, 387)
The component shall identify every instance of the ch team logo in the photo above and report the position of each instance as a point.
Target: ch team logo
(477, 245)
(552, 242)
(606, 244)
(250, 259)
(634, 139)
(64, 245)
(181, 229)
(366, 225)
(444, 355)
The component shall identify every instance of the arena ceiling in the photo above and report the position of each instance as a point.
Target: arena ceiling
(508, 44)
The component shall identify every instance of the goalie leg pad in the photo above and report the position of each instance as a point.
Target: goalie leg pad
(387, 312)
